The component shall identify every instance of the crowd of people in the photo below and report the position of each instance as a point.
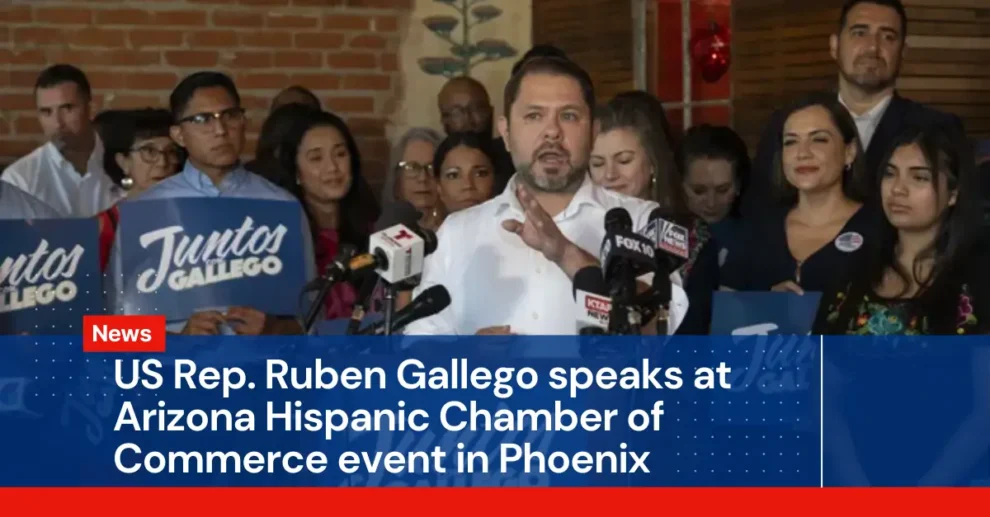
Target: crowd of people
(857, 193)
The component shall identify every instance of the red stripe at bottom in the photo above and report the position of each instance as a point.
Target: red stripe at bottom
(183, 502)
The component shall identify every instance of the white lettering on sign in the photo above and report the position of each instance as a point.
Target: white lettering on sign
(200, 260)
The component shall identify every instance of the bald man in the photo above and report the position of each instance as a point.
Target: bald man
(465, 107)
(295, 95)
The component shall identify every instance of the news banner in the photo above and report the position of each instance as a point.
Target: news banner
(96, 400)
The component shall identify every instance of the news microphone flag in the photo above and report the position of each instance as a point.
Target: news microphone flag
(669, 237)
(592, 302)
(628, 248)
(399, 252)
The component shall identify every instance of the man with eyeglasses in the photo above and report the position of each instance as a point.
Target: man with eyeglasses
(66, 173)
(209, 123)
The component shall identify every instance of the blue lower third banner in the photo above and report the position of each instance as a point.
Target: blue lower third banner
(373, 412)
(183, 255)
(906, 411)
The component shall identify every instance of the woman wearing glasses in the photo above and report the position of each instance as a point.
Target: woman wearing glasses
(410, 177)
(137, 154)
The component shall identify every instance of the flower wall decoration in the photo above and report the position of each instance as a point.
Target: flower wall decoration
(465, 54)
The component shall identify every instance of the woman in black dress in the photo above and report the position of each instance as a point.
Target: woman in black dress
(822, 225)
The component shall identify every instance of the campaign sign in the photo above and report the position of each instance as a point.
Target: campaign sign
(49, 275)
(183, 255)
(760, 313)
(774, 361)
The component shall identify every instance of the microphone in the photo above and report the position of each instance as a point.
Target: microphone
(396, 253)
(673, 240)
(334, 272)
(428, 303)
(398, 212)
(624, 255)
(668, 236)
(593, 304)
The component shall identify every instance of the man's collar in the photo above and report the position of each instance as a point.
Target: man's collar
(95, 161)
(875, 111)
(200, 180)
(587, 194)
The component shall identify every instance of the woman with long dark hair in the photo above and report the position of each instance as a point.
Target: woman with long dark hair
(922, 275)
(464, 166)
(321, 166)
(823, 224)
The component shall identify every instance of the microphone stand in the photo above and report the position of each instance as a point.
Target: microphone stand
(327, 281)
(390, 294)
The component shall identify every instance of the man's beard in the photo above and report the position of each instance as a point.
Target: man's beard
(873, 80)
(67, 142)
(553, 183)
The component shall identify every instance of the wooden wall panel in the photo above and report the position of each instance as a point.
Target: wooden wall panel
(595, 33)
(781, 51)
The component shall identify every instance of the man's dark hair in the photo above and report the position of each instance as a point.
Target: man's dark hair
(893, 4)
(543, 50)
(312, 100)
(184, 92)
(551, 66)
(61, 73)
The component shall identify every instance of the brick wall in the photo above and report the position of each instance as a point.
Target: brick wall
(135, 52)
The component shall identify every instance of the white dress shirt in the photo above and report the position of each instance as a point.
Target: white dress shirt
(48, 176)
(17, 204)
(866, 124)
(495, 279)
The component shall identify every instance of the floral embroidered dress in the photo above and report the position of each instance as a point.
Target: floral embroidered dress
(877, 316)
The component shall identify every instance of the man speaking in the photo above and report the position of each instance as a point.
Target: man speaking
(509, 263)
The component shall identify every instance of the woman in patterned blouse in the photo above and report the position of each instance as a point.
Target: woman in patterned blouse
(923, 272)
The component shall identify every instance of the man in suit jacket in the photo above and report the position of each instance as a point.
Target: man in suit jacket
(868, 50)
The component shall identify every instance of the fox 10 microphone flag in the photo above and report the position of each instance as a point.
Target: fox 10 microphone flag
(123, 405)
(183, 255)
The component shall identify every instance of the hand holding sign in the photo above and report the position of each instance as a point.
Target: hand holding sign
(205, 323)
(787, 286)
(247, 321)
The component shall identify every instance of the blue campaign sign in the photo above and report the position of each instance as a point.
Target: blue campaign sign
(774, 361)
(49, 275)
(184, 255)
(762, 313)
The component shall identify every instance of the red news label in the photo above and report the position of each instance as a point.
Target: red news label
(123, 333)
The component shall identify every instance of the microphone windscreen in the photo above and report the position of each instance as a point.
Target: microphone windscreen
(617, 220)
(590, 279)
(399, 212)
(429, 240)
(429, 302)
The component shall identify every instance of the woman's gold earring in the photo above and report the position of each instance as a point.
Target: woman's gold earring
(127, 182)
